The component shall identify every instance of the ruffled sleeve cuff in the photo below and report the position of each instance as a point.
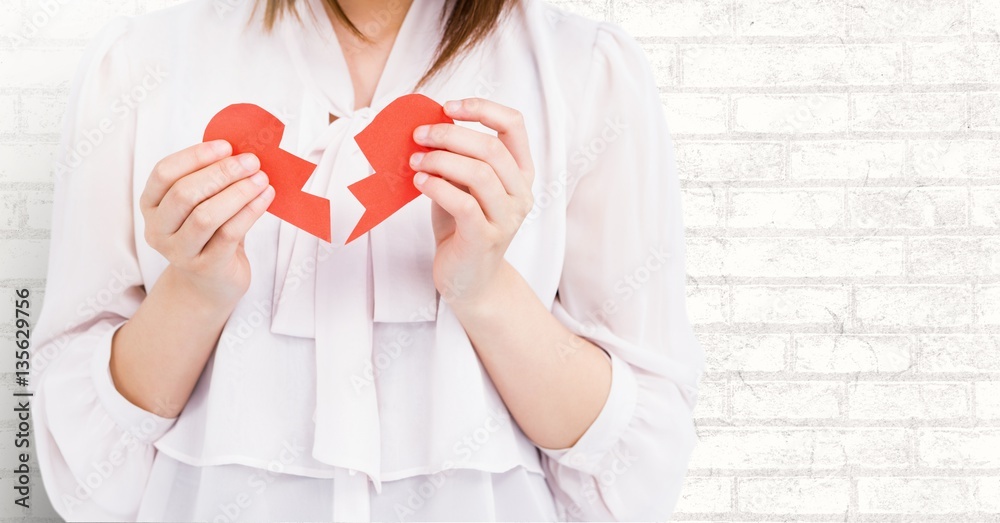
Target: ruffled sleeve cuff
(606, 431)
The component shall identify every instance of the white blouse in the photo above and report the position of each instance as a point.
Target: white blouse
(342, 387)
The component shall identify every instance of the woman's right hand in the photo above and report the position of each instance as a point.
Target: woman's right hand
(198, 205)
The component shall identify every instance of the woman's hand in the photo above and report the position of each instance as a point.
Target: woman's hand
(198, 205)
(481, 194)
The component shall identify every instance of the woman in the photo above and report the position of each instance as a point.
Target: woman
(514, 346)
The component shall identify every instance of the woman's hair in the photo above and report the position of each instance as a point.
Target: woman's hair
(467, 23)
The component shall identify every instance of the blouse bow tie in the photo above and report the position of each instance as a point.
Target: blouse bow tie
(391, 266)
(336, 292)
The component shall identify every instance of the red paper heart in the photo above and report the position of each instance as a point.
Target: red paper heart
(388, 143)
(251, 129)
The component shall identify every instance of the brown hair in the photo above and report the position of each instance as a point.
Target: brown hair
(467, 23)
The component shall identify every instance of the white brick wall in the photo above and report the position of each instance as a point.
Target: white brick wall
(841, 169)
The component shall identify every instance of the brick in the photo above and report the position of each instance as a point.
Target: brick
(711, 161)
(913, 305)
(781, 18)
(43, 114)
(959, 448)
(953, 158)
(794, 495)
(696, 114)
(790, 113)
(843, 160)
(986, 207)
(988, 304)
(907, 207)
(20, 68)
(25, 209)
(881, 18)
(955, 62)
(955, 256)
(787, 400)
(987, 400)
(711, 400)
(790, 304)
(860, 353)
(985, 111)
(926, 401)
(738, 353)
(787, 208)
(11, 210)
(908, 112)
(705, 495)
(27, 162)
(928, 495)
(24, 258)
(12, 25)
(8, 113)
(985, 16)
(795, 257)
(663, 60)
(782, 65)
(675, 18)
(704, 207)
(38, 209)
(959, 353)
(707, 304)
(811, 449)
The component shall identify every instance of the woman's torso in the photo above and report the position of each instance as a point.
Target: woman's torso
(259, 393)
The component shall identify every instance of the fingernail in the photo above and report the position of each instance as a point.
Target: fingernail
(419, 178)
(249, 162)
(422, 132)
(416, 159)
(453, 106)
(268, 193)
(221, 147)
(259, 179)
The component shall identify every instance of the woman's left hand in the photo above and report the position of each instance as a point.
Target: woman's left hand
(481, 194)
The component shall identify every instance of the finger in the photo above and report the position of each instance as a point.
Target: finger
(203, 222)
(231, 234)
(197, 187)
(478, 176)
(507, 122)
(481, 146)
(180, 164)
(469, 217)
